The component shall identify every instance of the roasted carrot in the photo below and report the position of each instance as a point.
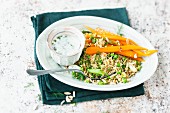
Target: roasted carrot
(139, 59)
(93, 50)
(146, 53)
(129, 53)
(109, 35)
(87, 35)
(126, 46)
(88, 41)
(90, 29)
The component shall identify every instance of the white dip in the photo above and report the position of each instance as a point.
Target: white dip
(65, 43)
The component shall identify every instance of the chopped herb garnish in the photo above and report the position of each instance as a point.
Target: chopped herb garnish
(120, 30)
(84, 31)
(59, 37)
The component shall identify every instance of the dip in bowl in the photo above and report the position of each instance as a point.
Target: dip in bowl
(66, 45)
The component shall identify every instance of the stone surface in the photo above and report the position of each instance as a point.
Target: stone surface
(20, 93)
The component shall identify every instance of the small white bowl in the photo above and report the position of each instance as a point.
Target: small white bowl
(61, 55)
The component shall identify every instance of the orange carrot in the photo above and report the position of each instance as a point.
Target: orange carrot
(88, 41)
(90, 29)
(139, 59)
(94, 50)
(146, 53)
(109, 35)
(87, 35)
(130, 53)
(92, 45)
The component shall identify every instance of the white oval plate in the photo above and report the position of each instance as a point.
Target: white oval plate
(149, 66)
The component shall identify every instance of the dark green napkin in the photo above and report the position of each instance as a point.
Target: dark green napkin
(52, 89)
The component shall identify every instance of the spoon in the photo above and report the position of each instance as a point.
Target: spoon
(71, 68)
(42, 72)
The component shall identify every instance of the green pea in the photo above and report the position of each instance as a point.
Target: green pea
(124, 80)
(139, 68)
(88, 56)
(87, 81)
(112, 54)
(101, 61)
(108, 77)
(123, 66)
(93, 40)
(118, 64)
(121, 34)
(91, 37)
(100, 83)
(124, 58)
(108, 69)
(115, 56)
(119, 72)
(81, 68)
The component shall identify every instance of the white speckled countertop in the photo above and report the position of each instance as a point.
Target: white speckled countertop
(20, 93)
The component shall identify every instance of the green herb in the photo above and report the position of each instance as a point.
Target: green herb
(138, 63)
(120, 30)
(39, 97)
(29, 85)
(78, 75)
(59, 37)
(121, 34)
(84, 31)
(106, 43)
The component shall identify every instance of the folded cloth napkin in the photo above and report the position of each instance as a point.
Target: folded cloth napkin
(52, 90)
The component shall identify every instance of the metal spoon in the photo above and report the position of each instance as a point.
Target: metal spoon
(42, 72)
(71, 68)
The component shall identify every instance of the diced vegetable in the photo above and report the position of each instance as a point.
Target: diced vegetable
(96, 71)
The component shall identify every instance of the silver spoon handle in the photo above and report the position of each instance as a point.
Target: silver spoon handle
(42, 72)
